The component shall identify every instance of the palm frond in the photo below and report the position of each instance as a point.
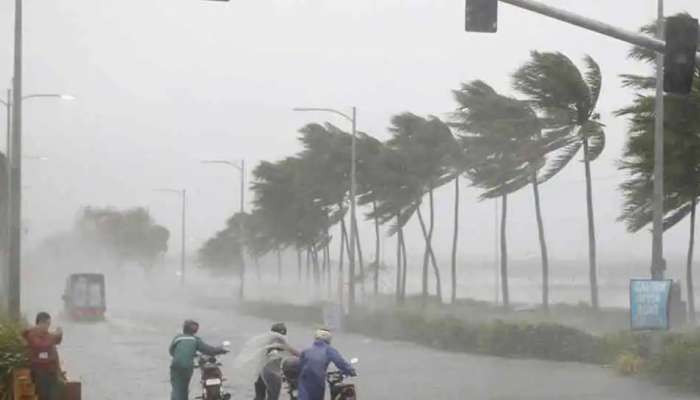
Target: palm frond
(560, 161)
(593, 79)
(593, 132)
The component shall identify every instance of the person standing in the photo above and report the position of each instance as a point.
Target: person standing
(314, 363)
(183, 350)
(269, 383)
(45, 364)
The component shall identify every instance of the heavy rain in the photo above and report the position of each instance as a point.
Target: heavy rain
(324, 199)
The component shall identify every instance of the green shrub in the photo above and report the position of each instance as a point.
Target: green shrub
(678, 363)
(13, 351)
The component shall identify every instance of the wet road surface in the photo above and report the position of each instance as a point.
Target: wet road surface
(126, 358)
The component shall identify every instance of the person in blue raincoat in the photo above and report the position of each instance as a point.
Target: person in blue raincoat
(313, 365)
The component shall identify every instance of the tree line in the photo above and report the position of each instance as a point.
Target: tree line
(498, 143)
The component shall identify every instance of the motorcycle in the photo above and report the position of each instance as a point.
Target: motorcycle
(212, 378)
(340, 390)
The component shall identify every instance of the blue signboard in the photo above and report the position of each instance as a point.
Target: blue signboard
(649, 304)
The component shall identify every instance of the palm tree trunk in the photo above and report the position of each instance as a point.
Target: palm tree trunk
(543, 242)
(429, 255)
(455, 236)
(689, 266)
(426, 259)
(438, 281)
(404, 266)
(504, 252)
(351, 273)
(308, 265)
(360, 258)
(317, 271)
(341, 261)
(592, 261)
(256, 259)
(376, 248)
(329, 271)
(399, 263)
(299, 262)
(279, 264)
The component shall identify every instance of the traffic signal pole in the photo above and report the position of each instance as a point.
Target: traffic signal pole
(637, 39)
(658, 265)
(658, 44)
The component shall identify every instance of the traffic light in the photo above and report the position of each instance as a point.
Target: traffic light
(679, 56)
(481, 16)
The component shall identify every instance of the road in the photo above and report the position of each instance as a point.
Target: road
(126, 357)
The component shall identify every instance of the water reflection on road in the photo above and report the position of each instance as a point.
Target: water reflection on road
(126, 357)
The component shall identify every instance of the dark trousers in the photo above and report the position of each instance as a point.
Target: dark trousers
(46, 384)
(180, 383)
(260, 389)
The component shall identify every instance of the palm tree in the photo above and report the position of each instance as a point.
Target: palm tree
(504, 148)
(428, 144)
(567, 99)
(681, 158)
(394, 192)
(369, 176)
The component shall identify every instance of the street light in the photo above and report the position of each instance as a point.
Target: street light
(353, 161)
(36, 158)
(241, 169)
(14, 174)
(183, 194)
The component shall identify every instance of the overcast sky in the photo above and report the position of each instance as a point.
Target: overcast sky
(163, 84)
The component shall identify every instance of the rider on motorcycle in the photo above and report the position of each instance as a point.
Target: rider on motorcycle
(269, 381)
(314, 363)
(183, 350)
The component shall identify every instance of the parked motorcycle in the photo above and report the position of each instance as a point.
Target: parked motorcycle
(212, 378)
(340, 390)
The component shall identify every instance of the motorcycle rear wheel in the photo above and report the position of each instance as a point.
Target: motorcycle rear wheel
(212, 393)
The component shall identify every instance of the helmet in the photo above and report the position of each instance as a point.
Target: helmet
(323, 334)
(190, 327)
(280, 328)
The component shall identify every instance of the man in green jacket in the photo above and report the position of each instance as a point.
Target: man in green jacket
(183, 350)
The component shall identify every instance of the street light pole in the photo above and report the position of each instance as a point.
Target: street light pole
(14, 290)
(657, 256)
(353, 182)
(183, 249)
(242, 170)
(183, 233)
(353, 224)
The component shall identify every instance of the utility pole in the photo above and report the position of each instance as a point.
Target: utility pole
(353, 185)
(658, 45)
(242, 171)
(183, 248)
(657, 249)
(184, 238)
(637, 39)
(353, 223)
(15, 250)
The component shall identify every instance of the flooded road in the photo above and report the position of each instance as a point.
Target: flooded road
(126, 357)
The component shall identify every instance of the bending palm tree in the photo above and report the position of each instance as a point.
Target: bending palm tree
(501, 138)
(567, 98)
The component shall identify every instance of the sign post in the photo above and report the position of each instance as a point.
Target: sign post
(649, 304)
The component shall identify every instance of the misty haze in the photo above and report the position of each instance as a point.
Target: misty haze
(324, 199)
